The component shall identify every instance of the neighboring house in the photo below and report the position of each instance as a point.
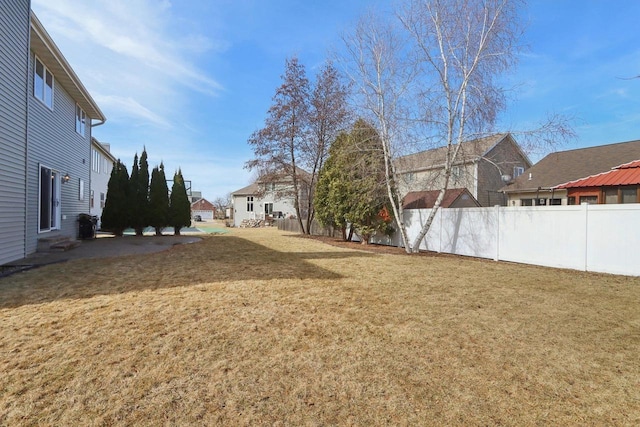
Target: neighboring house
(537, 186)
(268, 199)
(482, 167)
(101, 165)
(204, 209)
(46, 118)
(453, 198)
(620, 185)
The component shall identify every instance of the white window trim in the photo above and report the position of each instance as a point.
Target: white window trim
(44, 82)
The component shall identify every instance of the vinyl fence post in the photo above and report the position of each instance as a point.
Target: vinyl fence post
(496, 210)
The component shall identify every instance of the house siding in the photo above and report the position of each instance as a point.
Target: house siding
(504, 157)
(240, 213)
(14, 48)
(100, 180)
(54, 142)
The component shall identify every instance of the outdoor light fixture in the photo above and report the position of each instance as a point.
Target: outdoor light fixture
(66, 178)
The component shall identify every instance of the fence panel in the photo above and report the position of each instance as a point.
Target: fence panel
(613, 239)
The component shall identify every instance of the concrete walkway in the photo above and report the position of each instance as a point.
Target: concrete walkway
(105, 245)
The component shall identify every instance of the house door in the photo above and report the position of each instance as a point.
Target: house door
(49, 201)
(268, 209)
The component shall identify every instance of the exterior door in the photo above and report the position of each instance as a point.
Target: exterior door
(49, 203)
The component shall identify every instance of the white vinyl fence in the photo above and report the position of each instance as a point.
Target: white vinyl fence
(599, 238)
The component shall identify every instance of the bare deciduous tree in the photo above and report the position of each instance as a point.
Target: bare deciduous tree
(278, 144)
(455, 54)
(329, 115)
(295, 140)
(463, 47)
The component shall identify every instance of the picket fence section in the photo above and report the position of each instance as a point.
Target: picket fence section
(598, 238)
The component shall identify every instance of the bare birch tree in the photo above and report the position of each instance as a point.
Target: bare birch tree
(463, 47)
(381, 79)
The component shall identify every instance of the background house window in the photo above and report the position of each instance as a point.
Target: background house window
(270, 186)
(456, 173)
(571, 200)
(80, 189)
(517, 171)
(629, 195)
(91, 200)
(268, 208)
(526, 202)
(81, 119)
(43, 84)
(591, 200)
(249, 203)
(102, 200)
(95, 160)
(611, 196)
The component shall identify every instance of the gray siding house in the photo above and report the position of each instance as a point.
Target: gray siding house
(46, 118)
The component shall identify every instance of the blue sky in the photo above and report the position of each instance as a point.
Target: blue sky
(192, 79)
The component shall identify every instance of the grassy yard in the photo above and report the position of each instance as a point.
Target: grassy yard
(260, 327)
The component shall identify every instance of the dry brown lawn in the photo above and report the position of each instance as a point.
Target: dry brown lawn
(259, 327)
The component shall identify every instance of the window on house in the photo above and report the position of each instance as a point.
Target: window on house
(629, 195)
(102, 200)
(80, 189)
(555, 202)
(249, 203)
(541, 202)
(526, 202)
(571, 200)
(91, 199)
(410, 177)
(517, 171)
(95, 160)
(268, 208)
(43, 84)
(456, 173)
(590, 200)
(611, 196)
(81, 119)
(270, 186)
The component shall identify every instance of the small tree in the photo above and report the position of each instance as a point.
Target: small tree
(139, 193)
(115, 216)
(334, 192)
(158, 200)
(179, 207)
(221, 204)
(352, 185)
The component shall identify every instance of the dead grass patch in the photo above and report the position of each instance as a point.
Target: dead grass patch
(256, 327)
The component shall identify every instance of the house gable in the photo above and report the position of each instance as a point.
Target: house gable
(481, 167)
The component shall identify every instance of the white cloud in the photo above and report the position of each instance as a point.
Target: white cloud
(129, 108)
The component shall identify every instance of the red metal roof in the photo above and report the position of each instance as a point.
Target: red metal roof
(626, 174)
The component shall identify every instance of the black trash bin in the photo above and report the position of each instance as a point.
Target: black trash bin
(87, 226)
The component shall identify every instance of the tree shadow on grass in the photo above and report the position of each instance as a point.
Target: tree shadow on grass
(215, 259)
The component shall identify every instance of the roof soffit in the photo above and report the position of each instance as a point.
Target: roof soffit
(46, 50)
